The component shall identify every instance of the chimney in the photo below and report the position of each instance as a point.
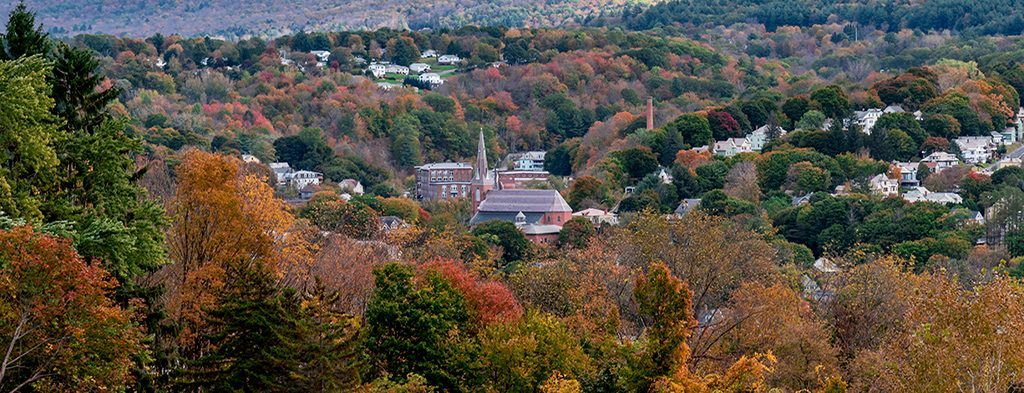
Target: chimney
(650, 113)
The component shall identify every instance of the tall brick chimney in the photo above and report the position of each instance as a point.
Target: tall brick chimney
(650, 113)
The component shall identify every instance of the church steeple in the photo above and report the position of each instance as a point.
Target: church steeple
(480, 169)
(482, 182)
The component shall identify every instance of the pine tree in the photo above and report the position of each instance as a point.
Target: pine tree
(254, 323)
(23, 38)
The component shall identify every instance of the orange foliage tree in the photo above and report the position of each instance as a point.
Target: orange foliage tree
(59, 329)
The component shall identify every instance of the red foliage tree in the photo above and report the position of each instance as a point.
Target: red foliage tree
(491, 300)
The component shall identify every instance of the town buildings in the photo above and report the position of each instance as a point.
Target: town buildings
(445, 180)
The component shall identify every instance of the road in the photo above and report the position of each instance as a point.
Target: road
(1017, 153)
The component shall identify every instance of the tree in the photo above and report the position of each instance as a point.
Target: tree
(61, 330)
(23, 38)
(404, 51)
(414, 327)
(576, 233)
(586, 191)
(636, 162)
(941, 126)
(804, 177)
(723, 125)
(741, 182)
(514, 245)
(667, 303)
(27, 132)
(795, 108)
(811, 120)
(694, 129)
(522, 355)
(331, 213)
(832, 101)
(558, 161)
(78, 97)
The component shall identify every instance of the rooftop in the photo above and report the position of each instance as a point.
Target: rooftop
(511, 201)
(444, 165)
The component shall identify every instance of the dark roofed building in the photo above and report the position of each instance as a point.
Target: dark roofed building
(544, 207)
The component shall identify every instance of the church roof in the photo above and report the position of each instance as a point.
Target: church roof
(527, 201)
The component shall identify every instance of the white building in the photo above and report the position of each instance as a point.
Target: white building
(908, 173)
(449, 59)
(732, 146)
(598, 217)
(664, 176)
(352, 186)
(867, 119)
(940, 160)
(282, 171)
(431, 78)
(396, 69)
(528, 161)
(975, 149)
(921, 194)
(883, 185)
(419, 68)
(759, 137)
(377, 69)
(322, 57)
(301, 179)
(429, 53)
(250, 159)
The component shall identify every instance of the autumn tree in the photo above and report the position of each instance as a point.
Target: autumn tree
(522, 355)
(667, 303)
(28, 131)
(60, 329)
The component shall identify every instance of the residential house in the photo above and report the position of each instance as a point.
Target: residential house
(449, 59)
(801, 199)
(921, 194)
(894, 108)
(908, 173)
(686, 206)
(759, 137)
(352, 186)
(301, 179)
(825, 265)
(528, 161)
(306, 193)
(445, 180)
(867, 119)
(883, 185)
(598, 217)
(390, 223)
(429, 53)
(664, 176)
(940, 160)
(419, 68)
(250, 159)
(732, 146)
(282, 171)
(975, 149)
(396, 69)
(1009, 135)
(431, 78)
(378, 70)
(322, 57)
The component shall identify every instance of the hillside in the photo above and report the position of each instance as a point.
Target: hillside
(276, 17)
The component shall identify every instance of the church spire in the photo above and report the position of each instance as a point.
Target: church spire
(480, 170)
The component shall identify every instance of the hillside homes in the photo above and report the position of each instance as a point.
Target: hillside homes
(977, 149)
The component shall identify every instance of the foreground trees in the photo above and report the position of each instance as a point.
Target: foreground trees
(59, 328)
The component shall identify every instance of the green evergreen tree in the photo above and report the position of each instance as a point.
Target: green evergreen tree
(23, 38)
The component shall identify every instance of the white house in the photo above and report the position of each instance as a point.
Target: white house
(250, 159)
(282, 171)
(598, 217)
(431, 78)
(883, 185)
(975, 149)
(321, 57)
(921, 194)
(429, 53)
(759, 137)
(867, 119)
(732, 146)
(664, 176)
(908, 173)
(396, 69)
(940, 160)
(449, 59)
(528, 161)
(419, 68)
(301, 179)
(351, 186)
(377, 69)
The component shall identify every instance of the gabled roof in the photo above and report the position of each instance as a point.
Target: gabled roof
(527, 201)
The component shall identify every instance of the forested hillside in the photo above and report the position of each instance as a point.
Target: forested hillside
(271, 18)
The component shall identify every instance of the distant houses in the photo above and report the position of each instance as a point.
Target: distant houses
(419, 68)
(598, 217)
(976, 149)
(431, 78)
(449, 59)
(921, 194)
(528, 161)
(752, 142)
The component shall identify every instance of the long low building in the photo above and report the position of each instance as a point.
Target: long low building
(539, 207)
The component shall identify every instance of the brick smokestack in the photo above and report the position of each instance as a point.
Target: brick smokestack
(650, 113)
